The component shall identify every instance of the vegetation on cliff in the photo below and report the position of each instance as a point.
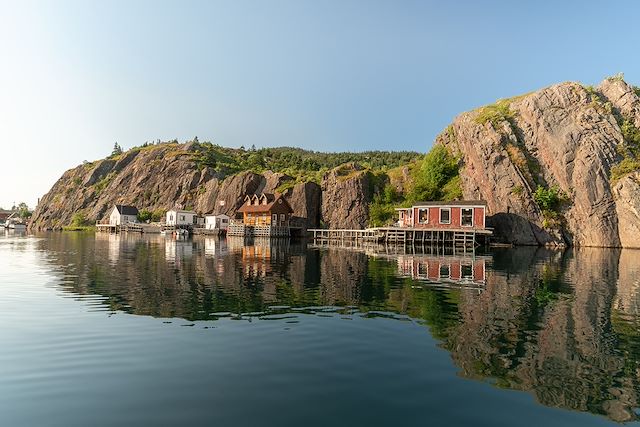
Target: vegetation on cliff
(435, 177)
(304, 165)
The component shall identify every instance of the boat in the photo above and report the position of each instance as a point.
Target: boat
(13, 224)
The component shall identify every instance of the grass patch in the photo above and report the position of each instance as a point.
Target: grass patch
(79, 228)
(103, 183)
(495, 113)
(625, 167)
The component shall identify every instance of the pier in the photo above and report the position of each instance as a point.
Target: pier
(461, 239)
(129, 227)
(240, 229)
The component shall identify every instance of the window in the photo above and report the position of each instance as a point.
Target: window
(423, 215)
(181, 217)
(423, 269)
(282, 218)
(444, 271)
(401, 214)
(445, 215)
(274, 218)
(224, 220)
(466, 219)
(467, 271)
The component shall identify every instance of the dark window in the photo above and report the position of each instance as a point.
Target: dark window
(467, 217)
(423, 215)
(445, 216)
(467, 272)
(444, 271)
(423, 269)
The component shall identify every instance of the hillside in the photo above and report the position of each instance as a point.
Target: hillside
(334, 189)
(559, 166)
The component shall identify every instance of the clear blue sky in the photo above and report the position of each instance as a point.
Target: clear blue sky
(76, 76)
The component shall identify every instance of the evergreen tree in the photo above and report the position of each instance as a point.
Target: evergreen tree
(117, 150)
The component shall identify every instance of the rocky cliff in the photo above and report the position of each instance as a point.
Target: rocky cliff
(559, 166)
(568, 138)
(162, 176)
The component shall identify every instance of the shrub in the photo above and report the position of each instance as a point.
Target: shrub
(631, 135)
(548, 198)
(495, 113)
(625, 167)
(438, 167)
(144, 215)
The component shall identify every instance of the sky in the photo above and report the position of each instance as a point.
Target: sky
(331, 75)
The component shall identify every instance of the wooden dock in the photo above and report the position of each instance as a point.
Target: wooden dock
(258, 230)
(129, 227)
(460, 239)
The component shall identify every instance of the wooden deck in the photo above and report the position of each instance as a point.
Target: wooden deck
(464, 238)
(129, 227)
(258, 230)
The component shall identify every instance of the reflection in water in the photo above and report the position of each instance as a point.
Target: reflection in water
(563, 326)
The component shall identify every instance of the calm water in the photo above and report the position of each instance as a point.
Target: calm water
(109, 330)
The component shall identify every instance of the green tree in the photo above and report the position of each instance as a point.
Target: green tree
(145, 215)
(23, 211)
(438, 167)
(79, 220)
(117, 150)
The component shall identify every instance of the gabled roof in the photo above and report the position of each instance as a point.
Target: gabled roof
(181, 211)
(127, 210)
(262, 208)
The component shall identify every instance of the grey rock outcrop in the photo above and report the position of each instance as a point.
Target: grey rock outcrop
(346, 194)
(627, 196)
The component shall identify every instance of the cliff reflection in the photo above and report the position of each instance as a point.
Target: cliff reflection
(562, 326)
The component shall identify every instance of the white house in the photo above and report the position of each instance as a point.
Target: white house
(216, 222)
(180, 217)
(122, 214)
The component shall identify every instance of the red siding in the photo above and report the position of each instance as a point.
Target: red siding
(434, 218)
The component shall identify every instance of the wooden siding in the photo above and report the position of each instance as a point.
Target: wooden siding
(434, 217)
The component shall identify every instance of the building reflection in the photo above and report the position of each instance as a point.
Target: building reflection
(456, 270)
(562, 326)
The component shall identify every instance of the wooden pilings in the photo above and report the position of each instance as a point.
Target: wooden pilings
(460, 239)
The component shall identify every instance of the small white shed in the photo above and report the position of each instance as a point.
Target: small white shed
(180, 217)
(216, 222)
(123, 214)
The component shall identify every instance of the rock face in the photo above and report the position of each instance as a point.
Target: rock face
(346, 194)
(627, 196)
(164, 176)
(565, 136)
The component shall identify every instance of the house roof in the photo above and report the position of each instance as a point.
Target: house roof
(451, 203)
(181, 211)
(217, 214)
(265, 208)
(127, 210)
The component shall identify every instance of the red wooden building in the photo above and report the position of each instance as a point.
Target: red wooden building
(456, 215)
(448, 269)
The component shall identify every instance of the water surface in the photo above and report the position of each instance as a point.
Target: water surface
(128, 330)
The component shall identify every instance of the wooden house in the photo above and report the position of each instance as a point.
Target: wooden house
(123, 214)
(456, 215)
(444, 269)
(216, 222)
(266, 210)
(178, 217)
